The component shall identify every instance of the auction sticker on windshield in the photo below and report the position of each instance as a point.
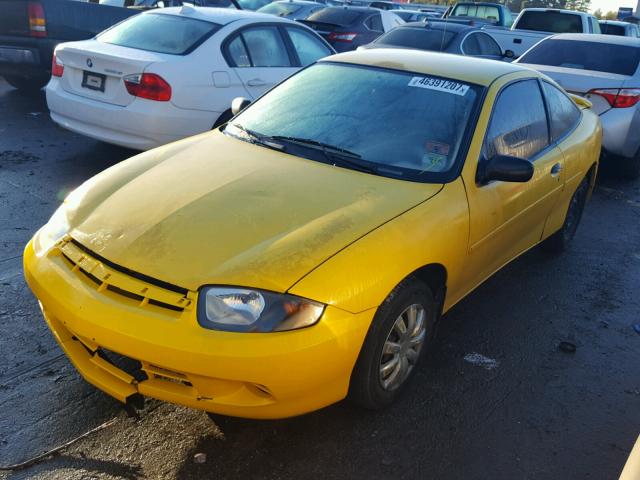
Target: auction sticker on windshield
(440, 85)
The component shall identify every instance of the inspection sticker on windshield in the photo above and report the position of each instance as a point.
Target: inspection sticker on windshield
(440, 85)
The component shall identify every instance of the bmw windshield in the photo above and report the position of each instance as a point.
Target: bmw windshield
(385, 122)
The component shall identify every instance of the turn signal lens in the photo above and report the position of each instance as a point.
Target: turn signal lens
(149, 86)
(57, 67)
(342, 37)
(37, 22)
(618, 98)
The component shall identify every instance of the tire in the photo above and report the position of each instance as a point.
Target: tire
(373, 384)
(222, 119)
(559, 241)
(26, 85)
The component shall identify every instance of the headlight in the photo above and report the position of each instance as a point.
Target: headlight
(244, 310)
(56, 228)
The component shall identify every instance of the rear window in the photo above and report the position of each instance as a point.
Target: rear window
(337, 16)
(549, 21)
(160, 33)
(609, 29)
(423, 39)
(601, 57)
(487, 12)
(280, 9)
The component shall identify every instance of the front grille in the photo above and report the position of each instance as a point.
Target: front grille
(126, 364)
(121, 281)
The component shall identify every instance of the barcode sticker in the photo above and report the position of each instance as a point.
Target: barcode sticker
(440, 85)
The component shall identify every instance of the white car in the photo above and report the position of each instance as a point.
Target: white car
(170, 73)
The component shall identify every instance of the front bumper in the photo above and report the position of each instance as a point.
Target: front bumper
(272, 375)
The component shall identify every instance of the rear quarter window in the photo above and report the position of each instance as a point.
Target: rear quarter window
(160, 33)
(595, 56)
(548, 21)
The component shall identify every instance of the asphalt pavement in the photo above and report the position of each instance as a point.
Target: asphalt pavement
(496, 398)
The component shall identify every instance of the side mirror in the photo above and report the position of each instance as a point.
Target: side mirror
(505, 169)
(238, 104)
(509, 54)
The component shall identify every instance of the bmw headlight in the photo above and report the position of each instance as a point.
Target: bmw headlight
(56, 228)
(246, 310)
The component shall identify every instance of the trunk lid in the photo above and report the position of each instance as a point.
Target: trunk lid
(580, 82)
(323, 29)
(213, 209)
(108, 62)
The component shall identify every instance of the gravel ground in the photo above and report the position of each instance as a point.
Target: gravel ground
(530, 411)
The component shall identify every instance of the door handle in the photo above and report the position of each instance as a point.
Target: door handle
(256, 82)
(556, 169)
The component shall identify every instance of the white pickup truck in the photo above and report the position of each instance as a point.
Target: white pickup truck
(534, 24)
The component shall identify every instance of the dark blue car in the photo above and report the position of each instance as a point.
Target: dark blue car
(444, 37)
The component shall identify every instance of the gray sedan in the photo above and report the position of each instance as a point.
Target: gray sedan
(604, 69)
(444, 37)
(292, 9)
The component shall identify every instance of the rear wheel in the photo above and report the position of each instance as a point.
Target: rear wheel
(559, 241)
(398, 338)
(26, 85)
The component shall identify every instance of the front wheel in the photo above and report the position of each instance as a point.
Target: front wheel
(559, 241)
(398, 337)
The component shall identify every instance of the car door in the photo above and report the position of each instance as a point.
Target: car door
(507, 218)
(564, 118)
(259, 57)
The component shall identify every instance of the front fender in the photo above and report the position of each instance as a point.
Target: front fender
(362, 275)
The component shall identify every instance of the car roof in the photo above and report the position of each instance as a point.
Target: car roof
(560, 10)
(357, 9)
(615, 22)
(595, 38)
(221, 16)
(298, 2)
(469, 69)
(435, 25)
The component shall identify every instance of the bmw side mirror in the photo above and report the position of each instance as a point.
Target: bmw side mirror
(505, 169)
(509, 54)
(238, 104)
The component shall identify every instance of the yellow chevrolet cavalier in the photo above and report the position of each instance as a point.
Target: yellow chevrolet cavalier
(306, 251)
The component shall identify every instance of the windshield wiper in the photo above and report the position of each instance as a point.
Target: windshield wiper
(335, 155)
(258, 138)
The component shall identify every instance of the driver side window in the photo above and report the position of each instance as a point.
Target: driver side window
(518, 126)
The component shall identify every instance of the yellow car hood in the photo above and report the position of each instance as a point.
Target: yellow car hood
(216, 210)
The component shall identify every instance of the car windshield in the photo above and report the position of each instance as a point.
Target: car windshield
(422, 38)
(547, 21)
(160, 33)
(281, 9)
(391, 123)
(596, 56)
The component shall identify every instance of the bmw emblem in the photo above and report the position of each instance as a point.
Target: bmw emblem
(89, 63)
